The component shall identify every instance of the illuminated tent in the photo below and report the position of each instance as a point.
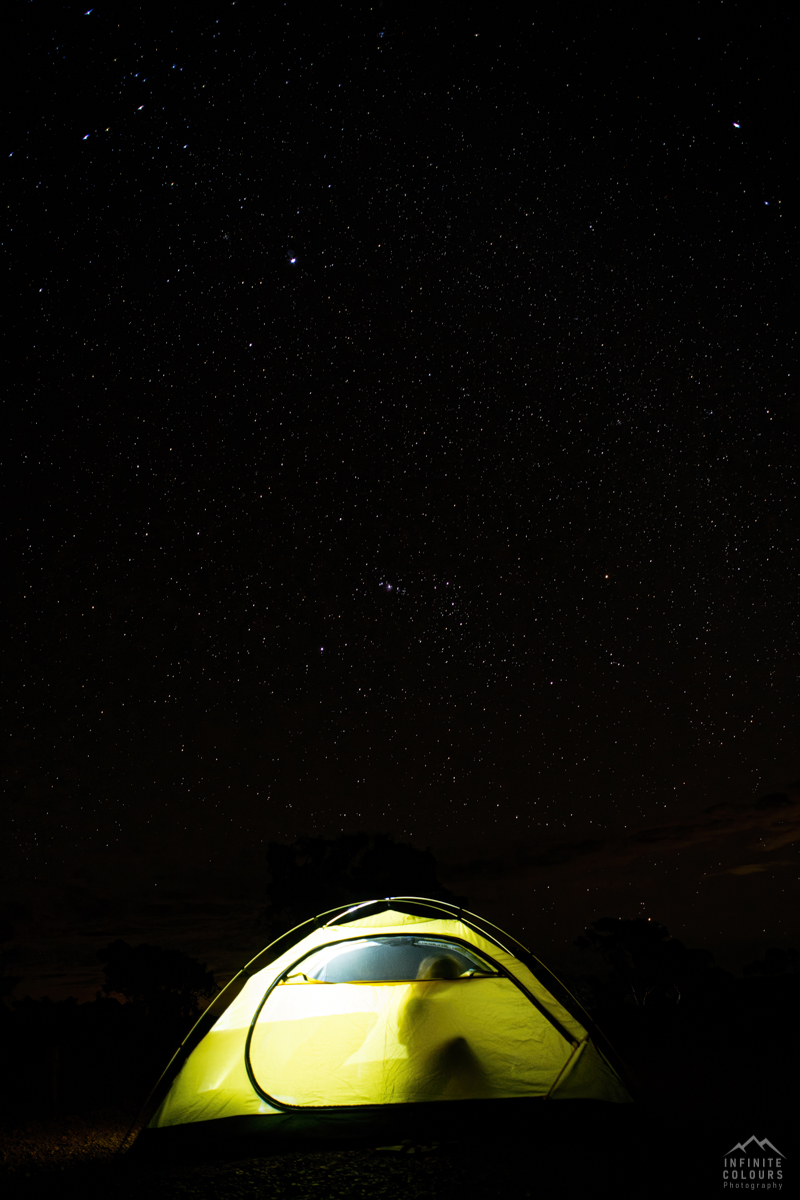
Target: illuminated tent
(386, 1007)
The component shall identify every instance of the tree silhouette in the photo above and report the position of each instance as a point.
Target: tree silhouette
(645, 961)
(313, 875)
(8, 982)
(8, 959)
(166, 985)
(775, 962)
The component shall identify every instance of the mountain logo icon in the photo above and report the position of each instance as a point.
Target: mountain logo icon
(749, 1147)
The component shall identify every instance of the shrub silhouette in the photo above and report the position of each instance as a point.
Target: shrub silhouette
(166, 986)
(775, 962)
(313, 875)
(8, 982)
(646, 963)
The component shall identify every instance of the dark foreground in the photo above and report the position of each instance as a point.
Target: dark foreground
(567, 1149)
(710, 1074)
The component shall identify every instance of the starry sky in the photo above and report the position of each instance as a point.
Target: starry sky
(403, 438)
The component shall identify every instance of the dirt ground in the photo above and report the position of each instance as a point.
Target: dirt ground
(629, 1150)
(77, 1153)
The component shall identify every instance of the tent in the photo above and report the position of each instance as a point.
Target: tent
(385, 1007)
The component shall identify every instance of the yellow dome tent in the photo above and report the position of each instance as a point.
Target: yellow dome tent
(384, 1006)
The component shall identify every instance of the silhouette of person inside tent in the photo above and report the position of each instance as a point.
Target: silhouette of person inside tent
(441, 1064)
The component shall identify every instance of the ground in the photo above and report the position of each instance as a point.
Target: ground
(60, 1153)
(659, 1151)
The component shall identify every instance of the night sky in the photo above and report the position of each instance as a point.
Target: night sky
(403, 437)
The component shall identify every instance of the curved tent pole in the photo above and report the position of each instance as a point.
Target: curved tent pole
(245, 970)
(435, 904)
(345, 910)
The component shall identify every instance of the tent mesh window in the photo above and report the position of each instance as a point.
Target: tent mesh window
(389, 959)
